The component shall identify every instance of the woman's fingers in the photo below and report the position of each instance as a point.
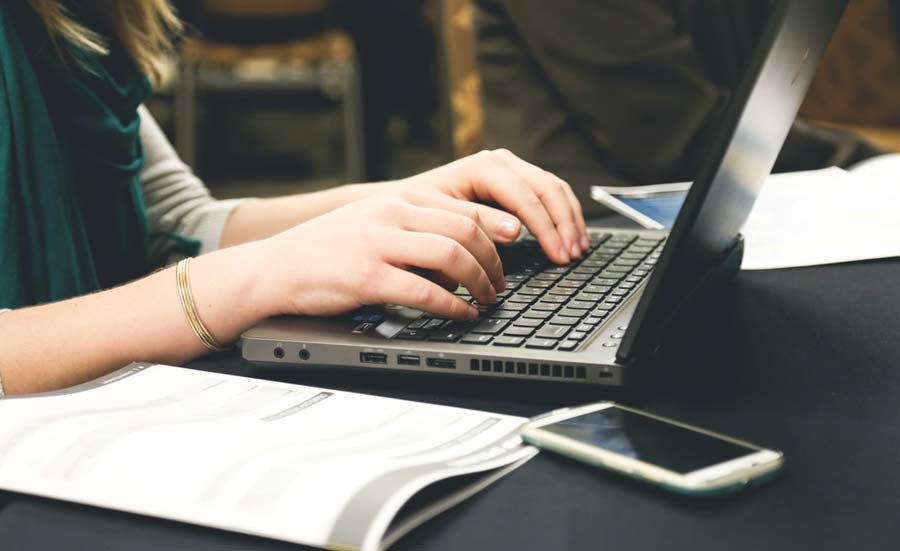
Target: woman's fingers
(438, 253)
(585, 240)
(502, 226)
(556, 196)
(499, 225)
(494, 180)
(463, 230)
(397, 286)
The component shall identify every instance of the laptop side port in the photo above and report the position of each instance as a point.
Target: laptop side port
(408, 359)
(443, 363)
(372, 358)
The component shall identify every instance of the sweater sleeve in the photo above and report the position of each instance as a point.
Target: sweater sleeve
(179, 206)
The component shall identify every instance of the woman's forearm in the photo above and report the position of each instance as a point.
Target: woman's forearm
(69, 342)
(264, 218)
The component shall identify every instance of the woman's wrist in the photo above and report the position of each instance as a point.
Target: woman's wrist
(235, 288)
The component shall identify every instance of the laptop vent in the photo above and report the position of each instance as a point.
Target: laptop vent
(553, 371)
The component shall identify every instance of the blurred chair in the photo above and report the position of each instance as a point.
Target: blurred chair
(857, 86)
(462, 87)
(324, 60)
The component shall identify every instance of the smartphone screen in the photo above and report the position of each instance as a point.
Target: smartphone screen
(662, 207)
(649, 440)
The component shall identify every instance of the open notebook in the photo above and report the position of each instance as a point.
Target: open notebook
(318, 467)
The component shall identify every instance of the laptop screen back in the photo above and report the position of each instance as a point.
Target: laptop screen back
(740, 157)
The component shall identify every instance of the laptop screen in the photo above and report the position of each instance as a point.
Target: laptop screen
(739, 158)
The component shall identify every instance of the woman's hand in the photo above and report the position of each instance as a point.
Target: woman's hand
(525, 192)
(545, 203)
(362, 253)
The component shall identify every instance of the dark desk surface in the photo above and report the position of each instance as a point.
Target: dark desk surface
(816, 372)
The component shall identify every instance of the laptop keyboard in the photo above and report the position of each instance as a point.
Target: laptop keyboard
(550, 307)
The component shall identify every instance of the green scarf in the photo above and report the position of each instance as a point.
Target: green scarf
(72, 218)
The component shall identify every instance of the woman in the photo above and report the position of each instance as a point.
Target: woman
(93, 197)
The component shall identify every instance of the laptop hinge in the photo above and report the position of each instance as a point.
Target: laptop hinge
(709, 285)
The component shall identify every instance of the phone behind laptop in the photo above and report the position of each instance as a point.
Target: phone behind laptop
(672, 455)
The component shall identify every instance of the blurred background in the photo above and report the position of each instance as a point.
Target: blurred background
(284, 96)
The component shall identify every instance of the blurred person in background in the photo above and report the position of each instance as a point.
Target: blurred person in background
(626, 92)
(93, 199)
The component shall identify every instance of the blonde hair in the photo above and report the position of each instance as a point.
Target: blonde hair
(145, 29)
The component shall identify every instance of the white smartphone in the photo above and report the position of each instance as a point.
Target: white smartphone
(655, 207)
(673, 455)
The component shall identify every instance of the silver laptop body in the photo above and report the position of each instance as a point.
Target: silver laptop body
(704, 243)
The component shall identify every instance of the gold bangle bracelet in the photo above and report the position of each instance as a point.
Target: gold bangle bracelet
(182, 279)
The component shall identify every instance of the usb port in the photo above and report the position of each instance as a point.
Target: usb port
(408, 359)
(443, 363)
(372, 358)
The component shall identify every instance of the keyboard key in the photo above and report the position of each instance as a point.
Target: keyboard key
(552, 332)
(546, 306)
(606, 281)
(490, 326)
(515, 278)
(508, 341)
(412, 335)
(598, 289)
(564, 320)
(563, 291)
(585, 328)
(546, 277)
(555, 298)
(592, 320)
(581, 304)
(512, 306)
(419, 323)
(476, 339)
(504, 314)
(597, 238)
(537, 314)
(435, 324)
(570, 284)
(518, 297)
(517, 331)
(445, 336)
(645, 241)
(591, 297)
(527, 322)
(566, 346)
(579, 277)
(619, 292)
(530, 291)
(577, 335)
(571, 312)
(543, 344)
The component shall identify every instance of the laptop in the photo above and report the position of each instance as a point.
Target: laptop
(598, 319)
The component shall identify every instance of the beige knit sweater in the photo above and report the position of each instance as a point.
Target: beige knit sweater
(175, 199)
